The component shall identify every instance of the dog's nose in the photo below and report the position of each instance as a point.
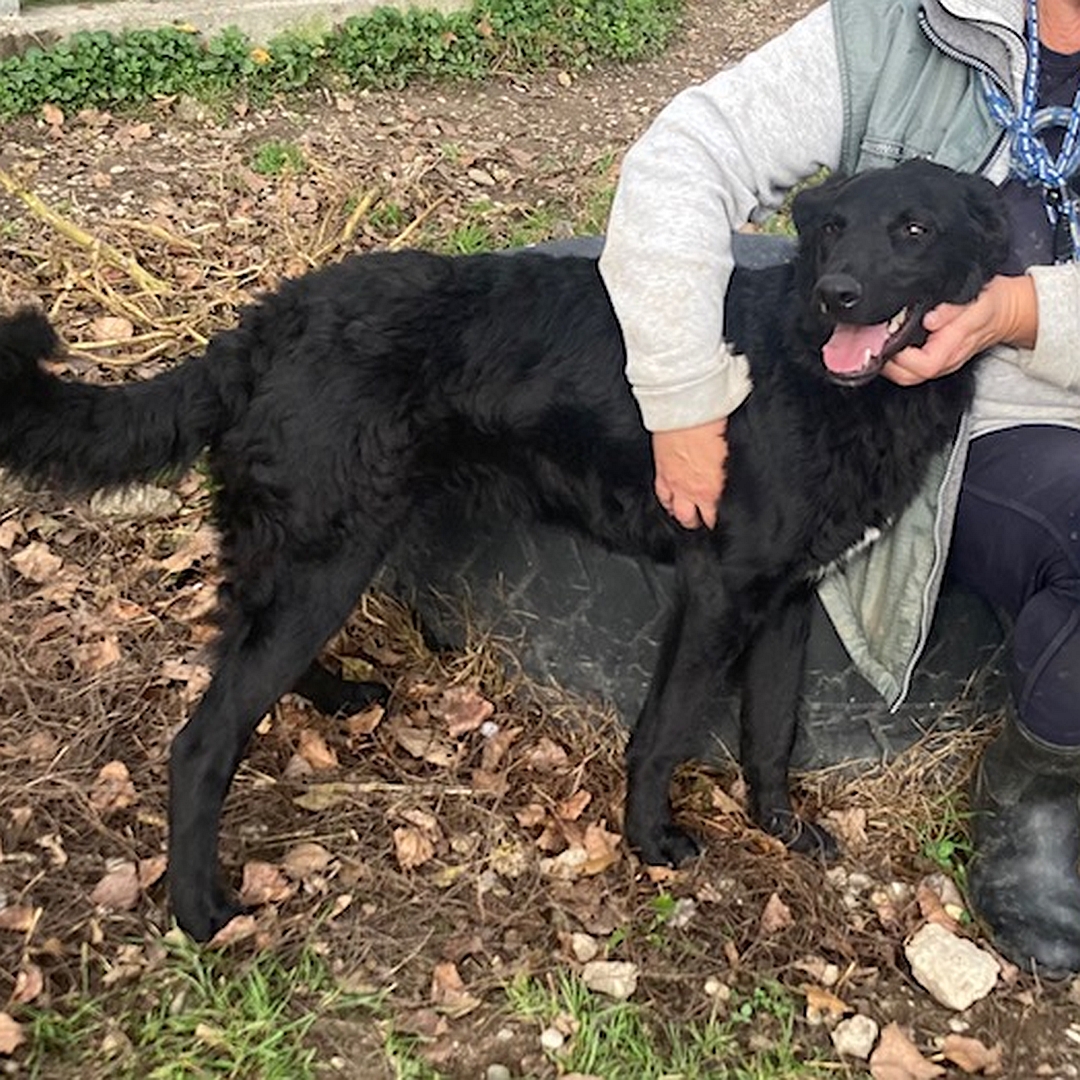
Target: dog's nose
(837, 293)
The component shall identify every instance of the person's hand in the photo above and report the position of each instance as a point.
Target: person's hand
(690, 471)
(1006, 311)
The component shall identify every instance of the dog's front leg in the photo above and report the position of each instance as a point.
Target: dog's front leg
(701, 644)
(772, 678)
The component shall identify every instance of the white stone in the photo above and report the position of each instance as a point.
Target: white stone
(551, 1039)
(953, 970)
(615, 978)
(584, 947)
(855, 1036)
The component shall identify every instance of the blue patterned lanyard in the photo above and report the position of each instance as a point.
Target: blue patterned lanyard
(1031, 161)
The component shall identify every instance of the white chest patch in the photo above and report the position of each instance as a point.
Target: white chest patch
(870, 536)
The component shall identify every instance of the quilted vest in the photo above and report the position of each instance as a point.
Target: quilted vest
(906, 96)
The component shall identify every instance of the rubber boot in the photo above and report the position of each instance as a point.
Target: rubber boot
(1024, 878)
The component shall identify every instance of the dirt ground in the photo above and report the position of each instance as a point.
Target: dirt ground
(470, 832)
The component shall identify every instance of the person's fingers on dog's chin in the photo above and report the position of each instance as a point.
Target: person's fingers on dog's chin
(901, 371)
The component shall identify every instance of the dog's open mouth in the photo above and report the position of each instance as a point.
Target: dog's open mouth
(854, 353)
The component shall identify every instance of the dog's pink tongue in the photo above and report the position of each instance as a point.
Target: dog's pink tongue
(850, 347)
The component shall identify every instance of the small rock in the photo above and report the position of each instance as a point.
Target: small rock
(551, 1039)
(615, 978)
(716, 988)
(497, 1072)
(855, 1036)
(953, 970)
(584, 947)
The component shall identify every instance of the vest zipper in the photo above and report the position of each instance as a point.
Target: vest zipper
(976, 64)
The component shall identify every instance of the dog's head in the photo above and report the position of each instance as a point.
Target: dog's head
(878, 250)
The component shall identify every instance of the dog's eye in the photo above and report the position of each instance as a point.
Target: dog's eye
(830, 227)
(916, 229)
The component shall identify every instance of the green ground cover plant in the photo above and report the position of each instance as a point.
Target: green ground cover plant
(387, 48)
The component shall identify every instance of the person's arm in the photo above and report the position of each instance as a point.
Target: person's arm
(718, 155)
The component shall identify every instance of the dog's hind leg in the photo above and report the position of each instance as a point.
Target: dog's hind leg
(335, 696)
(263, 654)
(772, 676)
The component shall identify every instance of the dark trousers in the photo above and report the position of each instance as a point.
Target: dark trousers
(1017, 544)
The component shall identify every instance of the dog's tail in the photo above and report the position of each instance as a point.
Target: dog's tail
(79, 436)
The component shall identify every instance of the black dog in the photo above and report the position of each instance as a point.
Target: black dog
(343, 403)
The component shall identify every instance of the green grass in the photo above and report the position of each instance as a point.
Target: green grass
(199, 1013)
(621, 1041)
(946, 843)
(278, 159)
(386, 48)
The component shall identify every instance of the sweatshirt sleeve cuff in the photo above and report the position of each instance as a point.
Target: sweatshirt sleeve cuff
(716, 395)
(1056, 356)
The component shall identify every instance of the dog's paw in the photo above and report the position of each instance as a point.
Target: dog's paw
(665, 845)
(357, 696)
(202, 914)
(802, 837)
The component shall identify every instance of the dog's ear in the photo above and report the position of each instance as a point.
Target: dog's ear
(987, 209)
(808, 206)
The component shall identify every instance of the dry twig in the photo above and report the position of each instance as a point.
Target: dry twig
(144, 280)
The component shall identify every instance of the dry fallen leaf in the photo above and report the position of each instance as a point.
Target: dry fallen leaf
(305, 860)
(19, 918)
(821, 1004)
(195, 676)
(724, 803)
(940, 901)
(412, 847)
(601, 849)
(547, 756)
(239, 928)
(775, 916)
(314, 750)
(152, 870)
(489, 783)
(462, 709)
(896, 1057)
(448, 991)
(532, 816)
(28, 984)
(112, 328)
(425, 745)
(364, 723)
(53, 115)
(496, 747)
(567, 865)
(973, 1056)
(36, 562)
(202, 543)
(11, 1034)
(572, 808)
(264, 883)
(850, 827)
(118, 890)
(113, 789)
(10, 531)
